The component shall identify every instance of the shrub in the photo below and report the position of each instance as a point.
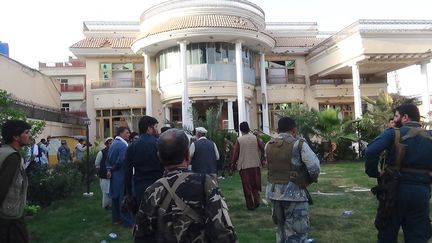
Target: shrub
(50, 184)
(31, 209)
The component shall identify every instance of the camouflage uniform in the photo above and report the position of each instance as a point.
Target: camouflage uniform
(155, 224)
(289, 201)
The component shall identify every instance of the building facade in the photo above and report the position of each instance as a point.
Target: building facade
(38, 95)
(71, 76)
(187, 55)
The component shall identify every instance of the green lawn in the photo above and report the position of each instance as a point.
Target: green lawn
(81, 219)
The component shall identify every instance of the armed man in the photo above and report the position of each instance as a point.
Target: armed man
(13, 182)
(182, 206)
(288, 181)
(403, 187)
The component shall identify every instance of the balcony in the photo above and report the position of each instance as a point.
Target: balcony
(74, 113)
(72, 87)
(118, 83)
(284, 79)
(343, 91)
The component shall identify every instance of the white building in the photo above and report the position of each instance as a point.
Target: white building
(189, 54)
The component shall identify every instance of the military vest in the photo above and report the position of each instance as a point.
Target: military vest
(418, 145)
(13, 205)
(281, 170)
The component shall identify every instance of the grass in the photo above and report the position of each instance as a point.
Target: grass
(81, 219)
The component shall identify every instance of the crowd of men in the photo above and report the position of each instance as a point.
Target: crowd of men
(165, 186)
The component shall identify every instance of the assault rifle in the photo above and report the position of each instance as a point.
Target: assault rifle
(388, 185)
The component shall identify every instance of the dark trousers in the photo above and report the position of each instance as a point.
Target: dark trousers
(251, 182)
(118, 216)
(13, 231)
(412, 214)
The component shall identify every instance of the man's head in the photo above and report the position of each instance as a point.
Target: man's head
(200, 132)
(406, 113)
(244, 127)
(148, 124)
(286, 124)
(43, 140)
(108, 141)
(173, 147)
(123, 132)
(63, 142)
(134, 136)
(81, 140)
(16, 132)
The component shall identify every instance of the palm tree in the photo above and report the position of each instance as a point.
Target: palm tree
(331, 130)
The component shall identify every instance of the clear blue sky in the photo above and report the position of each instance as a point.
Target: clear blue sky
(43, 30)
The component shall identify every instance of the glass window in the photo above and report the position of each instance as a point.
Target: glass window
(106, 113)
(105, 70)
(218, 52)
(231, 52)
(172, 57)
(139, 66)
(211, 53)
(290, 64)
(202, 53)
(137, 112)
(195, 53)
(120, 117)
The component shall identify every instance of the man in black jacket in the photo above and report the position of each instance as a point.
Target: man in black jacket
(142, 156)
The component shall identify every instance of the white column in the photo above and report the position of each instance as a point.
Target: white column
(240, 83)
(167, 112)
(186, 108)
(148, 87)
(265, 116)
(425, 91)
(230, 115)
(356, 91)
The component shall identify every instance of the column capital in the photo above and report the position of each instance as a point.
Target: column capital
(183, 42)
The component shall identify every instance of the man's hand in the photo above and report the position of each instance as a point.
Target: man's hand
(109, 174)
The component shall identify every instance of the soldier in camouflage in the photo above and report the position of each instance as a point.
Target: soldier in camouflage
(182, 206)
(288, 181)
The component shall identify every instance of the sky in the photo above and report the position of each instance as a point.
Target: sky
(43, 30)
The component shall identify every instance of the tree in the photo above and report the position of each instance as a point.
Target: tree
(375, 119)
(333, 130)
(8, 111)
(211, 121)
(305, 118)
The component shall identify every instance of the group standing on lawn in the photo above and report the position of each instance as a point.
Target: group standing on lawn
(165, 186)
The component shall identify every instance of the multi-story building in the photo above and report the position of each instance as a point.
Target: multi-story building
(38, 95)
(192, 54)
(71, 76)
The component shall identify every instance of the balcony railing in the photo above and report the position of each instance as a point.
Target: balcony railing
(118, 83)
(283, 79)
(72, 87)
(346, 81)
(77, 113)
